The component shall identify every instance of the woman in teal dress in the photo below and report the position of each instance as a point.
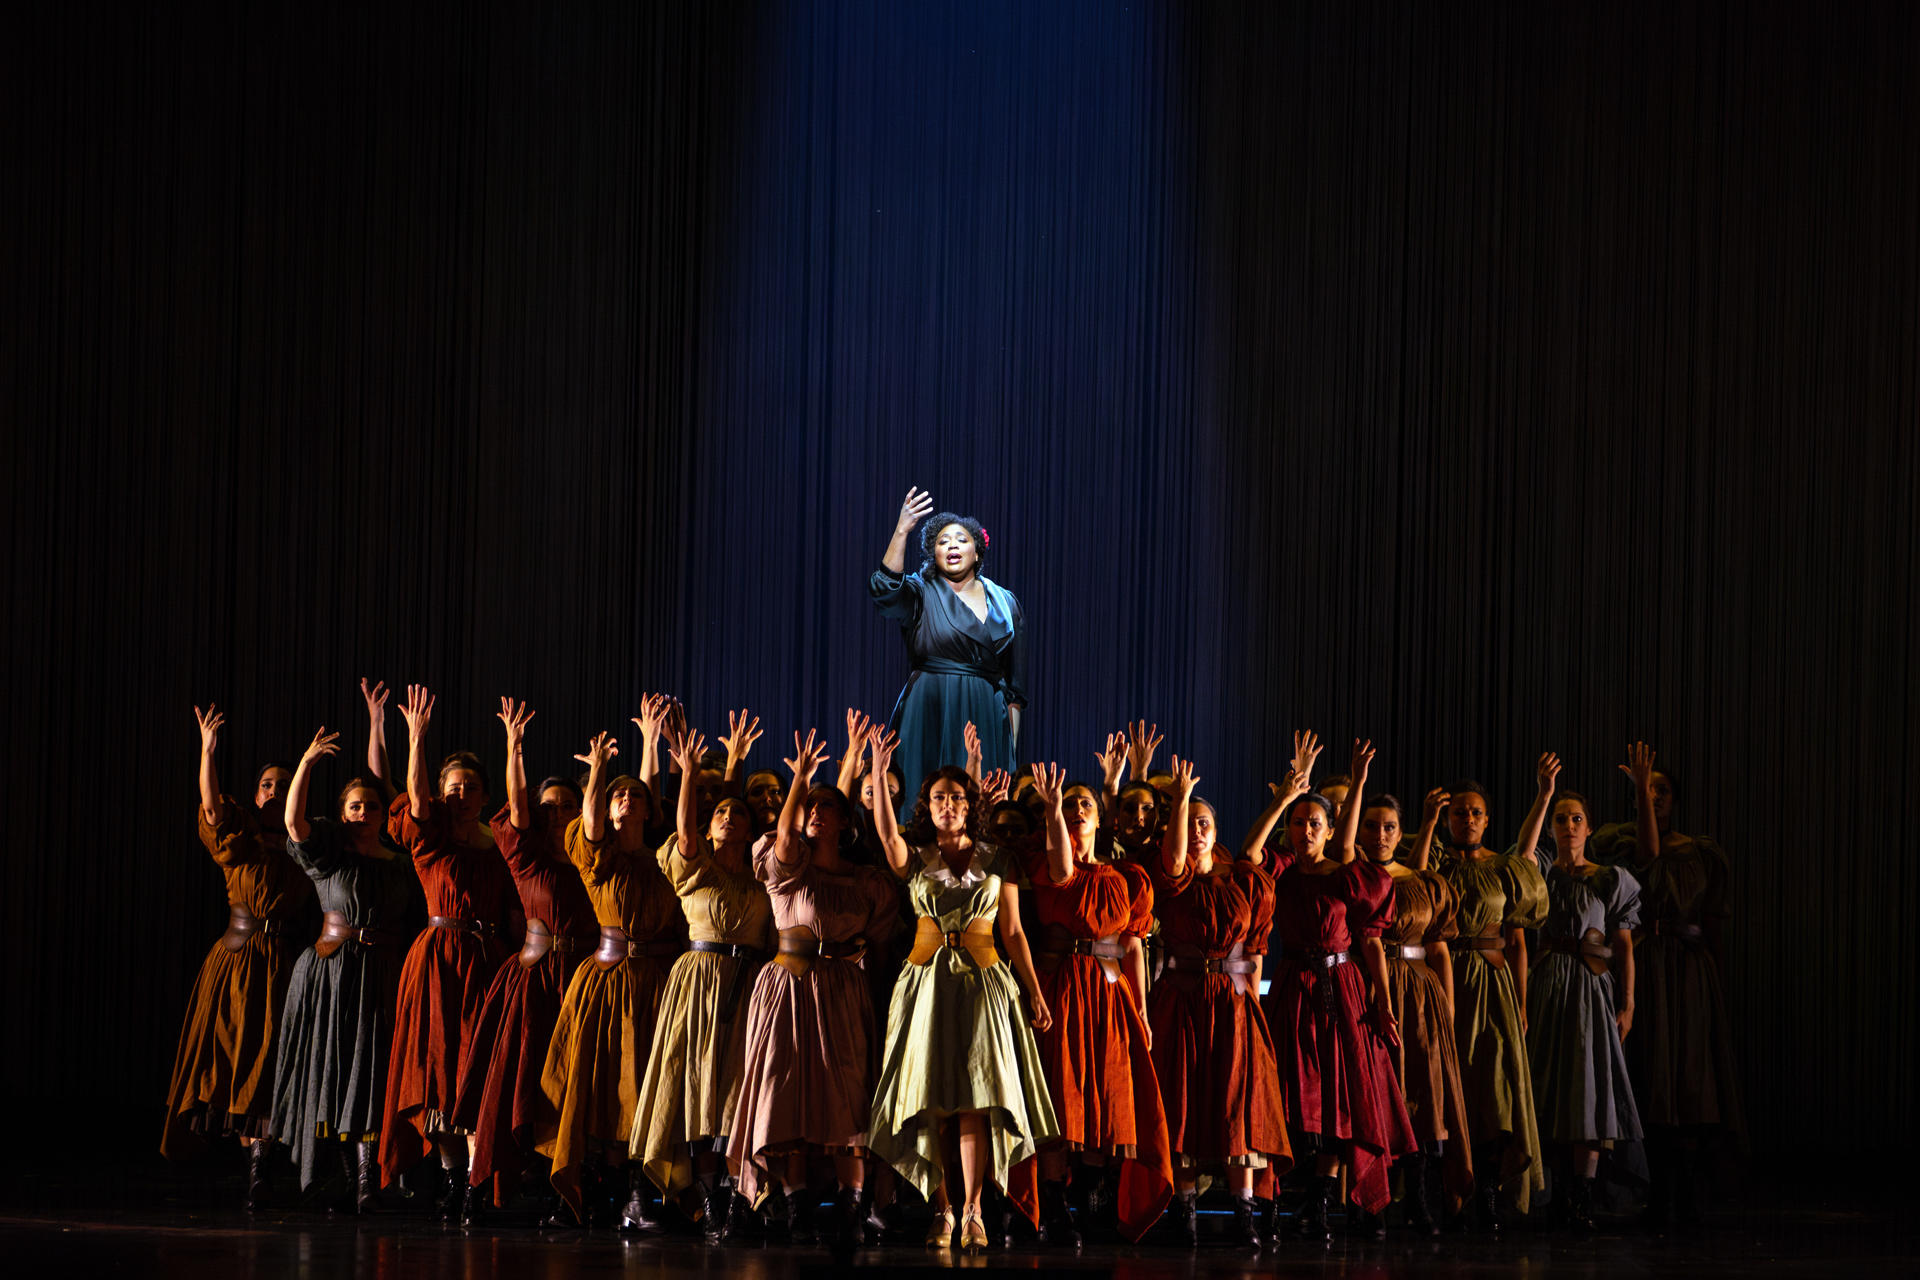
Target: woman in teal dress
(960, 1050)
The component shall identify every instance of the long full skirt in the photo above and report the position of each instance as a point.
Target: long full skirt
(442, 989)
(330, 1075)
(223, 1067)
(958, 1040)
(931, 718)
(1681, 1051)
(1213, 1055)
(1428, 1064)
(693, 1071)
(1495, 1074)
(1580, 1084)
(500, 1100)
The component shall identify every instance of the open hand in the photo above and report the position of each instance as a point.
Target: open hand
(652, 720)
(1113, 760)
(994, 787)
(600, 751)
(210, 723)
(418, 711)
(808, 752)
(1639, 766)
(1184, 778)
(1143, 740)
(686, 748)
(515, 718)
(743, 735)
(857, 726)
(975, 756)
(1362, 759)
(1546, 771)
(1306, 750)
(915, 507)
(376, 699)
(323, 744)
(1049, 784)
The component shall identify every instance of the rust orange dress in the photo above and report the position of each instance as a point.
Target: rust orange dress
(223, 1069)
(448, 968)
(1212, 1049)
(500, 1100)
(1099, 1067)
(1428, 1061)
(1340, 1087)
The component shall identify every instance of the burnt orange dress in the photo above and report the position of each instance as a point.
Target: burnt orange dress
(223, 1069)
(1099, 1067)
(445, 979)
(1428, 1062)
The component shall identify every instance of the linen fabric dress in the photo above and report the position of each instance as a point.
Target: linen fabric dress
(604, 1034)
(1580, 1086)
(445, 979)
(1428, 1061)
(1212, 1049)
(811, 1043)
(958, 1040)
(963, 669)
(223, 1068)
(1503, 891)
(500, 1100)
(1334, 1066)
(330, 1079)
(700, 1041)
(1681, 1053)
(1099, 1066)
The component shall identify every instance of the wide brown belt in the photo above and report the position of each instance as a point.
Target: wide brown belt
(1490, 944)
(1590, 949)
(479, 928)
(800, 949)
(336, 931)
(541, 940)
(1404, 951)
(616, 947)
(976, 940)
(243, 924)
(1059, 944)
(1684, 932)
(1234, 964)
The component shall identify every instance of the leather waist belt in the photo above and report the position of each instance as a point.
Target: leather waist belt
(1405, 951)
(742, 974)
(1234, 965)
(541, 940)
(336, 931)
(243, 924)
(1324, 963)
(1590, 949)
(736, 949)
(799, 950)
(976, 940)
(1491, 946)
(615, 947)
(1106, 951)
(1688, 932)
(479, 928)
(1322, 959)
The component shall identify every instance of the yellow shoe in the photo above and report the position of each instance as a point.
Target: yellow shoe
(973, 1232)
(940, 1234)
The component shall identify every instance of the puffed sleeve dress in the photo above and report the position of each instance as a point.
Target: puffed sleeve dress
(1428, 1061)
(1581, 1088)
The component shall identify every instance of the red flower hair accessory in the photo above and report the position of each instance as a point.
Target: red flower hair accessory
(985, 541)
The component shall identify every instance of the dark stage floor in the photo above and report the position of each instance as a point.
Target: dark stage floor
(146, 1222)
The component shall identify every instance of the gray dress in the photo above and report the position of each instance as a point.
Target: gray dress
(1581, 1091)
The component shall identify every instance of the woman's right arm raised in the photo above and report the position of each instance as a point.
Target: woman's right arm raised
(323, 744)
(593, 809)
(915, 508)
(210, 722)
(886, 827)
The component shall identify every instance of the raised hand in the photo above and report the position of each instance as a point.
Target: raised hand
(1112, 760)
(975, 756)
(915, 507)
(1362, 758)
(418, 710)
(744, 734)
(807, 755)
(376, 698)
(686, 748)
(857, 726)
(994, 787)
(1184, 778)
(1639, 766)
(211, 720)
(600, 751)
(515, 717)
(1143, 740)
(882, 742)
(1049, 784)
(1306, 750)
(652, 720)
(1546, 771)
(323, 744)
(1434, 805)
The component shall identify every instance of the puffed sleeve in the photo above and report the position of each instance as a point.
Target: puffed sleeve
(1623, 909)
(521, 849)
(895, 595)
(1612, 842)
(1258, 886)
(1445, 923)
(235, 839)
(1370, 898)
(779, 876)
(425, 839)
(322, 852)
(595, 858)
(1013, 660)
(1139, 900)
(1167, 886)
(1526, 891)
(686, 870)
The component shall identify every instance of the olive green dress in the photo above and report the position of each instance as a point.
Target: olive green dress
(958, 1038)
(1506, 891)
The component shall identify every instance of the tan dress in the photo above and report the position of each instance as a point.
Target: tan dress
(693, 1073)
(605, 1031)
(1424, 911)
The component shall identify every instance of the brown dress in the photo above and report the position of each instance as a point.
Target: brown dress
(811, 1051)
(700, 1040)
(605, 1031)
(445, 980)
(223, 1069)
(1424, 911)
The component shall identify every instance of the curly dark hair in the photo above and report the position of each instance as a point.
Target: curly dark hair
(920, 830)
(931, 530)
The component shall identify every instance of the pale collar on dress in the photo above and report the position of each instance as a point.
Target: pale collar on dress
(934, 867)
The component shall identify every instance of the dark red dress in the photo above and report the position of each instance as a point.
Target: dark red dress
(445, 978)
(1334, 1067)
(500, 1100)
(1212, 1050)
(1099, 1068)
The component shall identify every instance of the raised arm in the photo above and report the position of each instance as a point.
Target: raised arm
(377, 765)
(1143, 740)
(419, 712)
(1639, 771)
(686, 746)
(1430, 811)
(857, 726)
(745, 731)
(917, 506)
(1049, 781)
(791, 830)
(1350, 812)
(886, 827)
(593, 807)
(519, 808)
(1113, 763)
(1544, 771)
(976, 758)
(1173, 845)
(210, 722)
(651, 722)
(1306, 750)
(323, 744)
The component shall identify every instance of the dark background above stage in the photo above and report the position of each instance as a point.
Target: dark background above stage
(1534, 377)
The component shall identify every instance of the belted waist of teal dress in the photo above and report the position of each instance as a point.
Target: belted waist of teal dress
(954, 667)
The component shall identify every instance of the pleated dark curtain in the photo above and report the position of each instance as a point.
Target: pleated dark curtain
(1482, 382)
